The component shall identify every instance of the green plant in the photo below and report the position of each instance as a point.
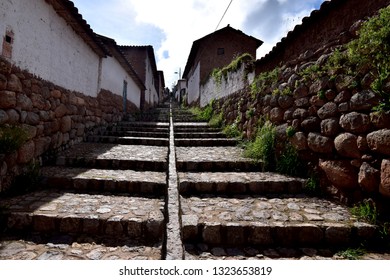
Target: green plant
(352, 253)
(286, 91)
(264, 80)
(365, 211)
(250, 113)
(290, 131)
(312, 185)
(233, 66)
(288, 162)
(262, 149)
(11, 138)
(216, 120)
(321, 94)
(232, 131)
(203, 114)
(311, 72)
(372, 50)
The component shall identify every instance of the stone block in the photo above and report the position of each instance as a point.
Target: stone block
(379, 141)
(114, 227)
(44, 223)
(346, 145)
(384, 187)
(91, 224)
(19, 221)
(260, 234)
(309, 234)
(340, 173)
(369, 177)
(70, 224)
(364, 230)
(212, 234)
(355, 122)
(14, 83)
(154, 226)
(337, 234)
(190, 227)
(26, 152)
(319, 144)
(7, 99)
(235, 234)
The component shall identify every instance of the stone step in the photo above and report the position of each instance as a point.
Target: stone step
(184, 118)
(152, 118)
(151, 129)
(258, 221)
(144, 124)
(213, 159)
(128, 140)
(189, 134)
(141, 134)
(205, 142)
(113, 156)
(238, 183)
(64, 247)
(145, 183)
(194, 127)
(59, 212)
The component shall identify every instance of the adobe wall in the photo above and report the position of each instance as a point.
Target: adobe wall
(53, 117)
(328, 26)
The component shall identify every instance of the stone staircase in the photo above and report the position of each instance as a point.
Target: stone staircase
(103, 199)
(140, 190)
(232, 211)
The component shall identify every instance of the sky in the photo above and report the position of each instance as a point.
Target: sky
(171, 26)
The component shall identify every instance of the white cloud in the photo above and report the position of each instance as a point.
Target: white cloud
(171, 26)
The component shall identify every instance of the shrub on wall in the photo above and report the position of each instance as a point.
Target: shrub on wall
(236, 64)
(372, 49)
(11, 138)
(262, 149)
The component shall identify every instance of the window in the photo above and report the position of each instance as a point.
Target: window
(8, 39)
(220, 51)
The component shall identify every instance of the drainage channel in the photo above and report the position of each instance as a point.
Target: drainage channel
(174, 247)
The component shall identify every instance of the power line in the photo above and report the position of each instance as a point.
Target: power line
(223, 14)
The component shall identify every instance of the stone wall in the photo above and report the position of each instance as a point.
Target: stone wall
(53, 117)
(337, 133)
(327, 26)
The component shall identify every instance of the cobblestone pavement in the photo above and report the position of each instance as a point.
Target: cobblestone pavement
(115, 152)
(66, 249)
(225, 183)
(107, 180)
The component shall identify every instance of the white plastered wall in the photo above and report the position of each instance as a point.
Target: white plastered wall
(113, 76)
(46, 46)
(193, 85)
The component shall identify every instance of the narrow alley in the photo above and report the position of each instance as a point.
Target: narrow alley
(164, 186)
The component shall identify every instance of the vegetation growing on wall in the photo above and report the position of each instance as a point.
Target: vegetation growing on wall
(369, 53)
(265, 80)
(236, 64)
(203, 114)
(11, 138)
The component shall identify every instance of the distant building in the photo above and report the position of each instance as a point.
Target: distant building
(215, 50)
(144, 63)
(161, 86)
